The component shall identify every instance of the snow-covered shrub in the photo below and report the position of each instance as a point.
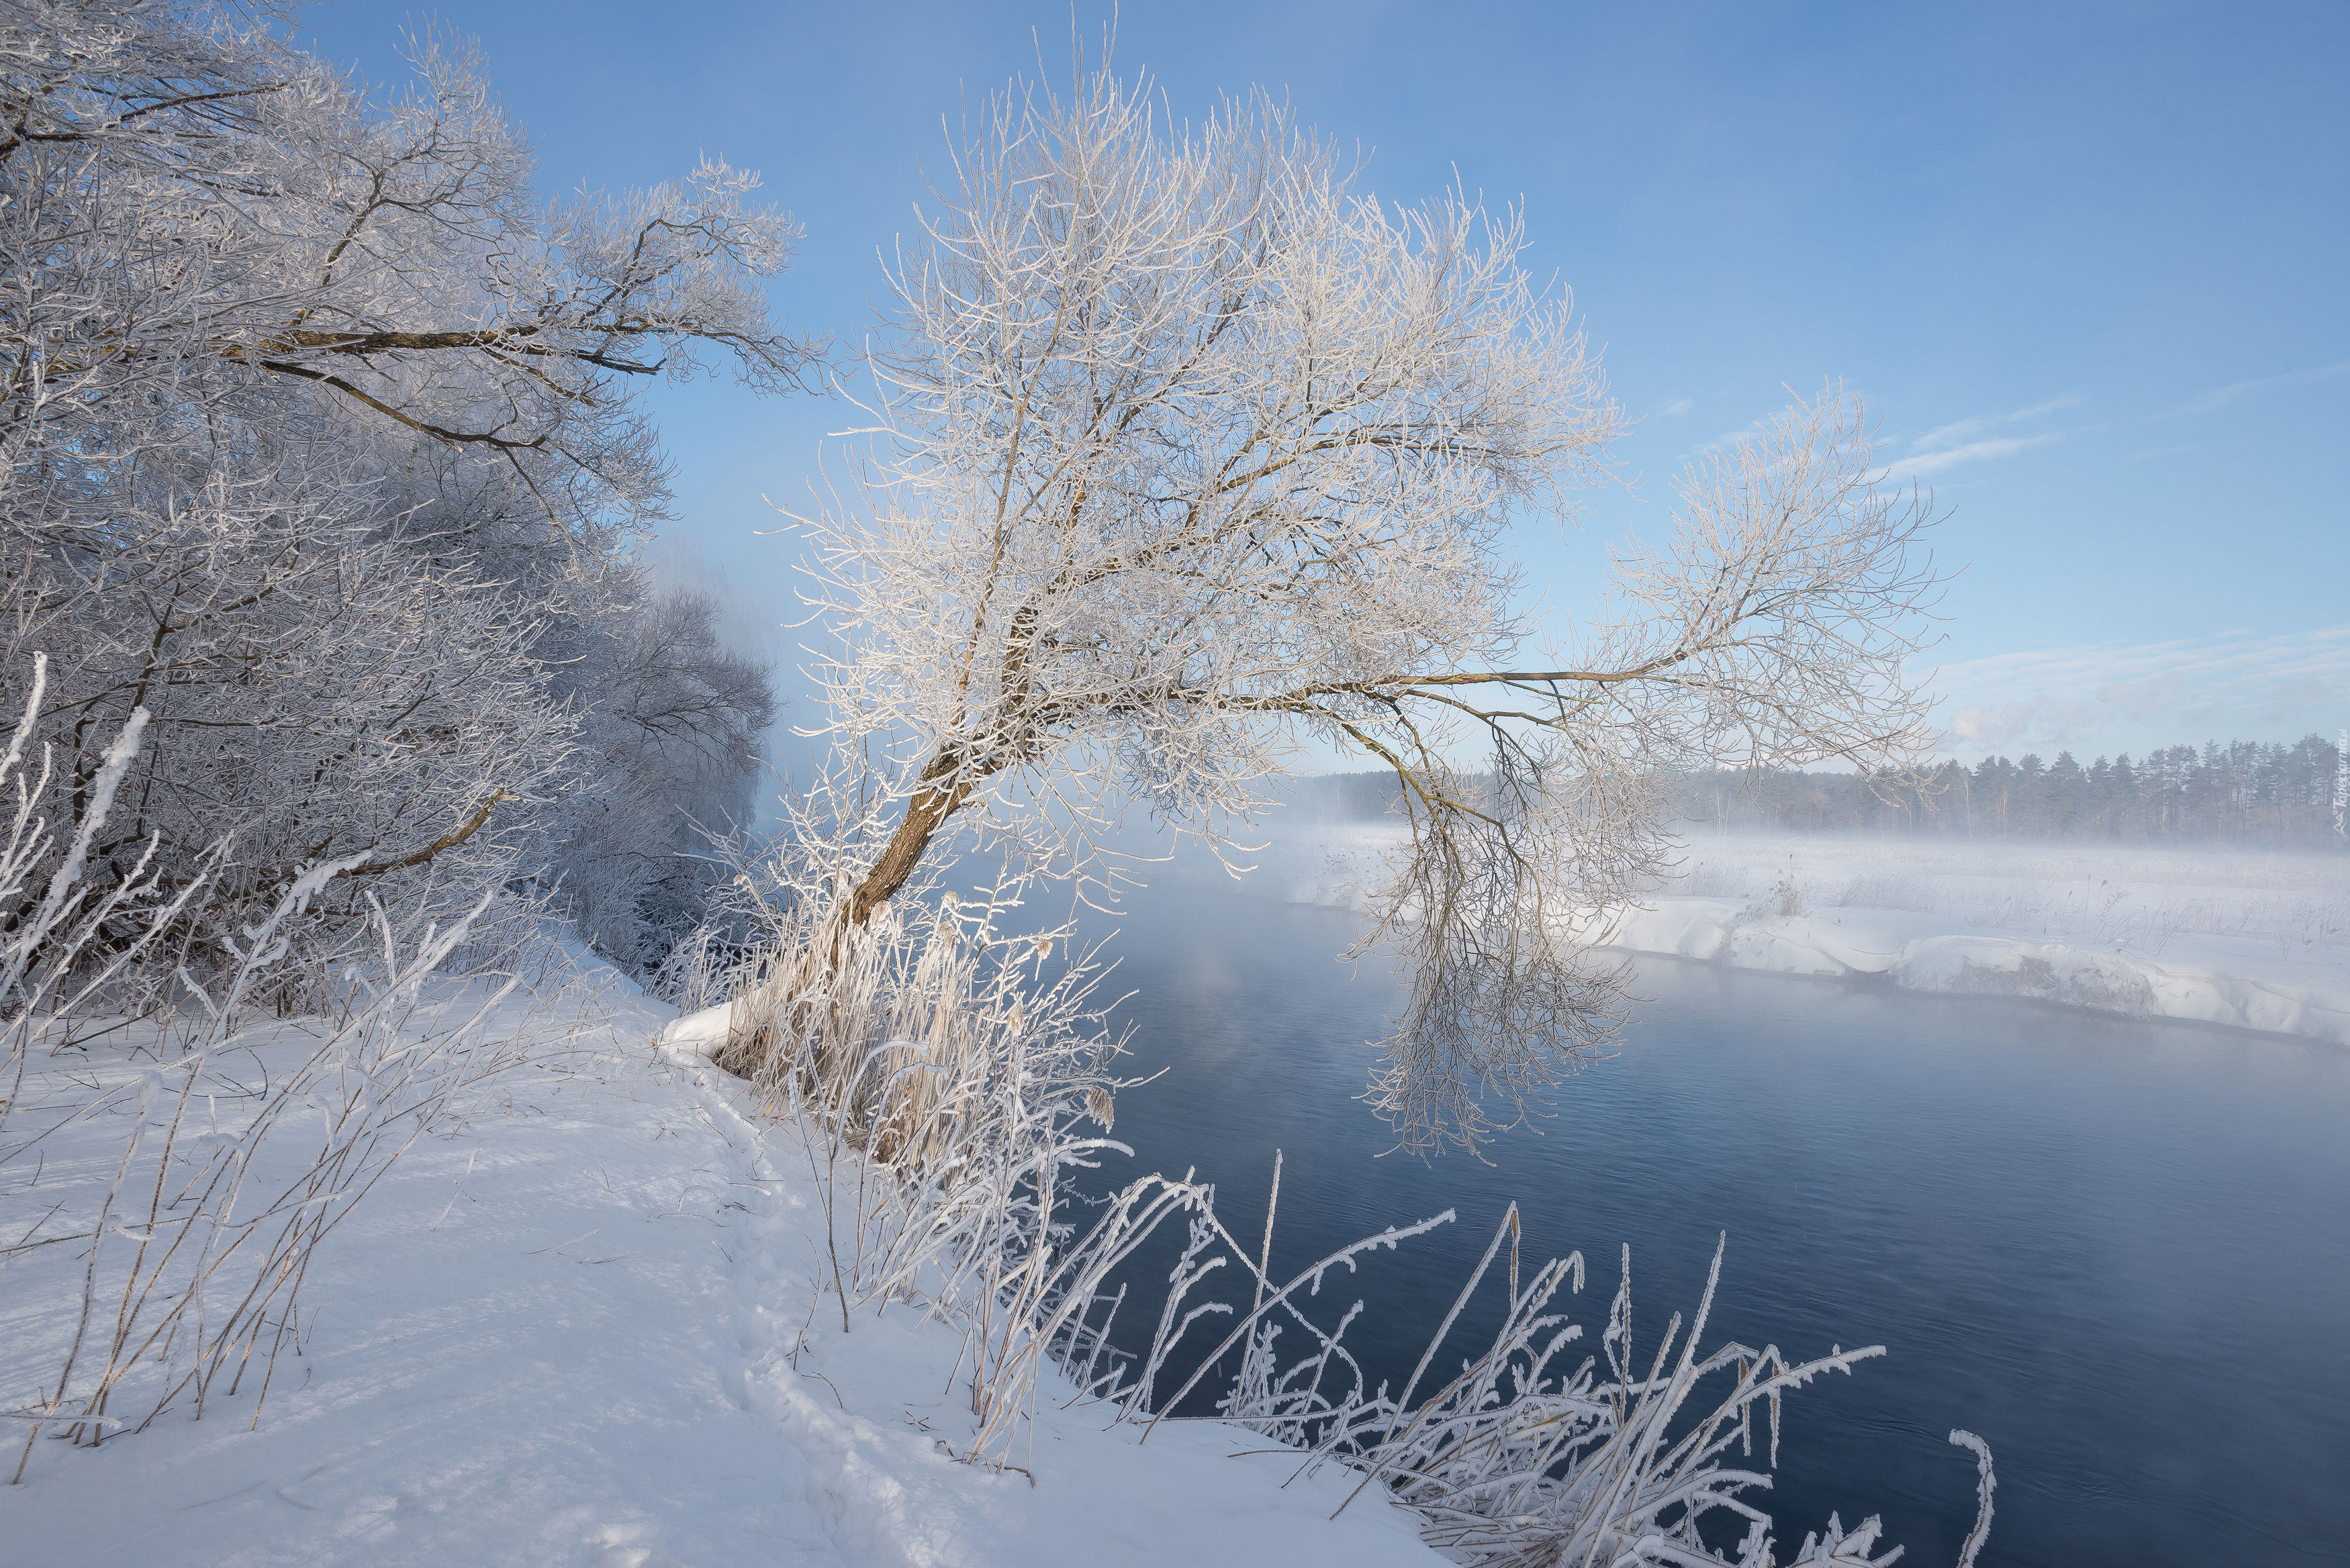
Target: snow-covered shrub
(239, 1147)
(1515, 1459)
(1785, 898)
(941, 1064)
(1710, 879)
(1887, 892)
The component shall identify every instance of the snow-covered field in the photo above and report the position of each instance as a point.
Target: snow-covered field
(2246, 939)
(583, 1326)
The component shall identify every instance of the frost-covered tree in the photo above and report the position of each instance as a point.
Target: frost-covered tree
(317, 445)
(674, 740)
(1193, 454)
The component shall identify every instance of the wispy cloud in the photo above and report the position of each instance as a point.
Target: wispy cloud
(1975, 439)
(1967, 430)
(1677, 408)
(1925, 463)
(1972, 439)
(2114, 695)
(2219, 398)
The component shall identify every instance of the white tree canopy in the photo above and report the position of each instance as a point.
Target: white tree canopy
(1192, 454)
(315, 447)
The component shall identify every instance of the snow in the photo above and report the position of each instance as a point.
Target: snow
(2250, 939)
(2247, 939)
(585, 1328)
(696, 1037)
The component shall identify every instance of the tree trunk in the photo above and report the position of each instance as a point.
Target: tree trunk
(937, 797)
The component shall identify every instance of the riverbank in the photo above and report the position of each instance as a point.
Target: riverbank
(2247, 940)
(587, 1328)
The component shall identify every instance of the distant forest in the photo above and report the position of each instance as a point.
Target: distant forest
(2246, 792)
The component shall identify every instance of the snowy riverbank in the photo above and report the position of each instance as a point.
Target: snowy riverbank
(585, 1329)
(2244, 938)
(2250, 941)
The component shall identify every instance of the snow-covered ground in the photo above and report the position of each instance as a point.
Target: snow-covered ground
(2251, 939)
(584, 1327)
(2246, 939)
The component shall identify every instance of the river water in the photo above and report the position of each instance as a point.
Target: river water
(2118, 1251)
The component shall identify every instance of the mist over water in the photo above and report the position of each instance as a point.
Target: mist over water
(2114, 1249)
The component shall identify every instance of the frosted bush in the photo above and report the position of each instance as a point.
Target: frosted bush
(224, 1179)
(1708, 880)
(1887, 892)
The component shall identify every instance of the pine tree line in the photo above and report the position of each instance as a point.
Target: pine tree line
(2245, 792)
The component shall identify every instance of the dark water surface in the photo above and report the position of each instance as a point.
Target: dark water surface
(2118, 1251)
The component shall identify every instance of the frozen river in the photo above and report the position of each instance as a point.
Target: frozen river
(2119, 1251)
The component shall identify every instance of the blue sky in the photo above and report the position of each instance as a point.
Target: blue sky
(2086, 264)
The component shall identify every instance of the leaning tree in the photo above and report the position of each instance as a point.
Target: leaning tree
(1190, 454)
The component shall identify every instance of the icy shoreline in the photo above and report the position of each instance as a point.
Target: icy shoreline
(2244, 939)
(1908, 951)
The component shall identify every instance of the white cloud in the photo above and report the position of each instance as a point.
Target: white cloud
(1946, 447)
(2219, 398)
(1678, 407)
(1925, 463)
(2241, 685)
(1966, 430)
(1972, 439)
